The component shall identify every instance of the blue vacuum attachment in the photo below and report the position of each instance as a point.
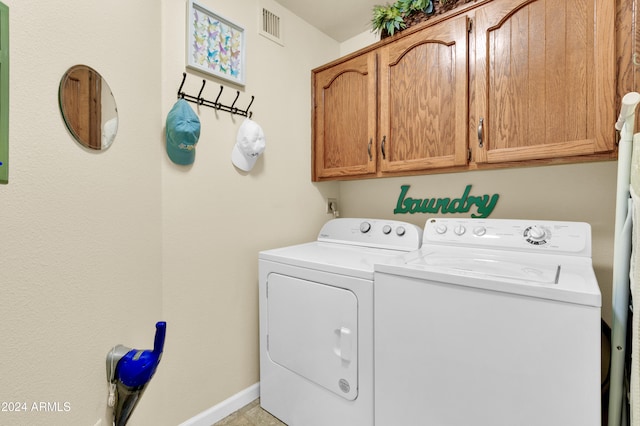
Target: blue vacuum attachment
(129, 371)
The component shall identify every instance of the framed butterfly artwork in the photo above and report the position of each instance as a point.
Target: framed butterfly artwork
(215, 45)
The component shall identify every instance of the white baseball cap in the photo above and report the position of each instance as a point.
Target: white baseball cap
(250, 143)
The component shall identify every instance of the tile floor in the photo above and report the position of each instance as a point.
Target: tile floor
(250, 415)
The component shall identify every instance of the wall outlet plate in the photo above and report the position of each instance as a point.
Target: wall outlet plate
(332, 205)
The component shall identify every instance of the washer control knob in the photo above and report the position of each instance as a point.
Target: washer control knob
(536, 233)
(479, 231)
(459, 230)
(365, 227)
(441, 228)
(386, 230)
(400, 231)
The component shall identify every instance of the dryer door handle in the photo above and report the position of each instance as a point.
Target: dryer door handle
(344, 343)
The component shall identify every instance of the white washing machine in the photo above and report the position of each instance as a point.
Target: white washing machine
(490, 323)
(316, 321)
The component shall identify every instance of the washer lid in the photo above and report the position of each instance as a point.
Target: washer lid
(543, 273)
(562, 278)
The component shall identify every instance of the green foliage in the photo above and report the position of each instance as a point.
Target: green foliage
(407, 7)
(391, 17)
(387, 18)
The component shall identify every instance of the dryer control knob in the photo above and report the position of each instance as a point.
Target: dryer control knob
(400, 231)
(386, 230)
(441, 228)
(479, 231)
(365, 227)
(459, 230)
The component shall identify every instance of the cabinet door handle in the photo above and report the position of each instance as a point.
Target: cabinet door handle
(369, 149)
(480, 132)
(384, 139)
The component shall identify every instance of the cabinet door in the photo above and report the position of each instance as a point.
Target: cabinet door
(344, 119)
(545, 79)
(424, 99)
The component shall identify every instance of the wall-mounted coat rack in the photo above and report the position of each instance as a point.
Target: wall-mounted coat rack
(214, 104)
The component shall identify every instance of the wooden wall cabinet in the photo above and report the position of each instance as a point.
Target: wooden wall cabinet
(545, 79)
(399, 108)
(498, 83)
(345, 119)
(423, 93)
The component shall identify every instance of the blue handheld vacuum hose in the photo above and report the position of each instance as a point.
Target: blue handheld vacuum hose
(137, 367)
(133, 371)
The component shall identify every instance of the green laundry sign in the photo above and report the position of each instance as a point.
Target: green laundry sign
(483, 204)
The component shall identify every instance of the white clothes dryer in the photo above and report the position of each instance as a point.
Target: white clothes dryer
(491, 323)
(316, 321)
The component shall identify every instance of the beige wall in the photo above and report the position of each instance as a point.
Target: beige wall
(216, 218)
(80, 256)
(82, 265)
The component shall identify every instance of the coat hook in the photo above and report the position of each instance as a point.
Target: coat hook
(233, 110)
(200, 92)
(246, 111)
(180, 92)
(216, 104)
(218, 97)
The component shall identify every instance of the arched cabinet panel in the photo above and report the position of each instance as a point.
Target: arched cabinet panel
(423, 99)
(545, 79)
(344, 103)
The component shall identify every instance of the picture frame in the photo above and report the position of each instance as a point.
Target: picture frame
(215, 45)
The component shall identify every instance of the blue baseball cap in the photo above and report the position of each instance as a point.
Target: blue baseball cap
(183, 131)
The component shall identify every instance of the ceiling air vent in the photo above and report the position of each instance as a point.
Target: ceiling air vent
(271, 26)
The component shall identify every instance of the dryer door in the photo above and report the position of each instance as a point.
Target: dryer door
(313, 331)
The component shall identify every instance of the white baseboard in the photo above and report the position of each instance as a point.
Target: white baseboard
(226, 407)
